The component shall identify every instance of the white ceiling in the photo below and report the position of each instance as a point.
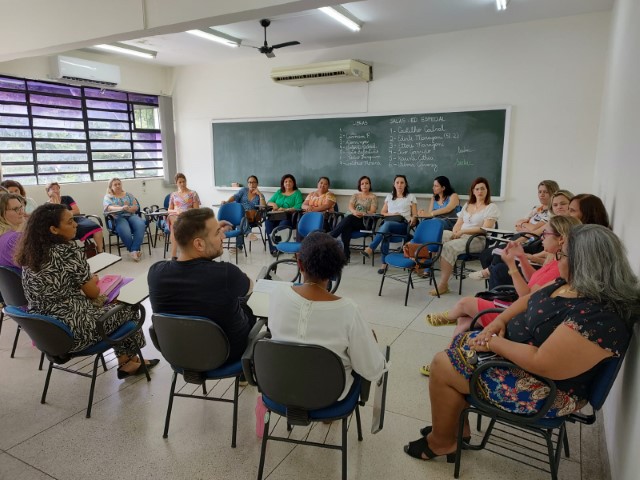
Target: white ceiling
(382, 20)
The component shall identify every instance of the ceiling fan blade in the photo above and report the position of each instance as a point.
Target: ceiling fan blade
(286, 44)
(270, 54)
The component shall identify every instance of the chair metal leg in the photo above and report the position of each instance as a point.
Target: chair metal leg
(41, 361)
(46, 383)
(15, 342)
(104, 364)
(462, 267)
(382, 283)
(263, 448)
(553, 465)
(358, 423)
(1, 320)
(565, 442)
(235, 411)
(93, 384)
(170, 406)
(344, 449)
(146, 370)
(204, 388)
(409, 284)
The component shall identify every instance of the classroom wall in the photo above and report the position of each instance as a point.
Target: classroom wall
(550, 71)
(616, 181)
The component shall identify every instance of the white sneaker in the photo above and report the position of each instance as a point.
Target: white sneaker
(136, 256)
(479, 275)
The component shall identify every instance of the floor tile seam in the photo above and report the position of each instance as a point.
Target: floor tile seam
(31, 466)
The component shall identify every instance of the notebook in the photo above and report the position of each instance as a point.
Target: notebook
(107, 283)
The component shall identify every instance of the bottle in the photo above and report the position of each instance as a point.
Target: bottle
(261, 412)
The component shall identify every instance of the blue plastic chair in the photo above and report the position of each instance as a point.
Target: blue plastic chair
(55, 340)
(197, 349)
(428, 234)
(303, 383)
(309, 222)
(234, 214)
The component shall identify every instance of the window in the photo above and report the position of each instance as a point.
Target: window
(65, 133)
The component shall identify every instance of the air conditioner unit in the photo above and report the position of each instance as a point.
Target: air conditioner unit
(326, 72)
(86, 71)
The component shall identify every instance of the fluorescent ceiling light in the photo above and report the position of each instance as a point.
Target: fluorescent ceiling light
(343, 16)
(215, 36)
(502, 4)
(127, 50)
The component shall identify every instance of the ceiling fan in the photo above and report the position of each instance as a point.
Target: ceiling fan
(268, 50)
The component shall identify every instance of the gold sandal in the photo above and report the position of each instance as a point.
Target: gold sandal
(440, 319)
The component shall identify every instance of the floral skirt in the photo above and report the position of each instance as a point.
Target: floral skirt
(510, 389)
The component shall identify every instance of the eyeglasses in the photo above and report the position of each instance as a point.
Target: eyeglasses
(546, 234)
(560, 254)
(17, 209)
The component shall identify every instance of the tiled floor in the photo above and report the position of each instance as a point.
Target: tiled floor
(123, 438)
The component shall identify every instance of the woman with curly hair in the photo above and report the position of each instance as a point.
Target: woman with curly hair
(308, 313)
(57, 281)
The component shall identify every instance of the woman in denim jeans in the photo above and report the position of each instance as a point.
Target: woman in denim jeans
(124, 207)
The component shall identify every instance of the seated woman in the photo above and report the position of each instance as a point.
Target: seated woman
(589, 209)
(562, 332)
(251, 198)
(86, 228)
(322, 200)
(179, 202)
(57, 282)
(525, 280)
(478, 213)
(129, 226)
(498, 271)
(287, 199)
(533, 223)
(308, 313)
(12, 218)
(13, 186)
(362, 203)
(400, 211)
(444, 202)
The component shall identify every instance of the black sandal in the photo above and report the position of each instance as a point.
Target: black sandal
(123, 374)
(427, 430)
(419, 447)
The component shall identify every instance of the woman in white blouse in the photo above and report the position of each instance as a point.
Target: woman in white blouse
(477, 214)
(308, 313)
(400, 211)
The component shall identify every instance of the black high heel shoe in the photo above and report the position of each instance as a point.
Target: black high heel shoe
(122, 374)
(421, 446)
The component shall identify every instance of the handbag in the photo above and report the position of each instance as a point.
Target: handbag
(508, 296)
(251, 215)
(410, 249)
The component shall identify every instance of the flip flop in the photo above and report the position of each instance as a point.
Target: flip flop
(419, 447)
(440, 319)
(427, 430)
(425, 369)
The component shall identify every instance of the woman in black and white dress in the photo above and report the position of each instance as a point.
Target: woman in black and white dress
(57, 282)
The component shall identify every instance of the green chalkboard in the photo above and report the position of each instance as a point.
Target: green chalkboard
(460, 145)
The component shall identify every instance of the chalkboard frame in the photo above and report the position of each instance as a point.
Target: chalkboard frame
(305, 189)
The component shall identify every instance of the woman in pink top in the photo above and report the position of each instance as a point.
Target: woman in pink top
(525, 280)
(180, 201)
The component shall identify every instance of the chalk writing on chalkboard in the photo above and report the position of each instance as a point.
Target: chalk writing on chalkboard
(461, 145)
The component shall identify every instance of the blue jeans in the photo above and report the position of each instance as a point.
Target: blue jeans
(131, 230)
(399, 228)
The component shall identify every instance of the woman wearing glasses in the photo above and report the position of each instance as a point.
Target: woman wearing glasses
(251, 198)
(13, 186)
(526, 280)
(12, 218)
(562, 332)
